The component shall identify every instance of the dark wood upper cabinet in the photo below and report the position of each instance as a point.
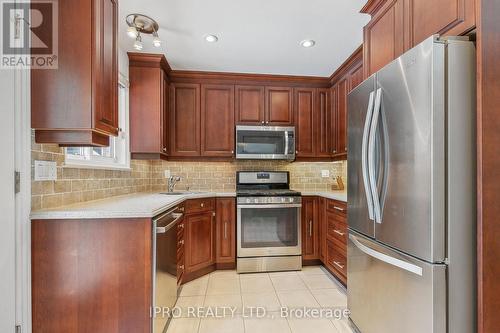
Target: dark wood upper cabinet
(356, 76)
(250, 102)
(279, 106)
(323, 130)
(384, 36)
(334, 92)
(217, 120)
(342, 89)
(77, 103)
(304, 100)
(310, 228)
(445, 17)
(199, 237)
(149, 88)
(225, 231)
(185, 119)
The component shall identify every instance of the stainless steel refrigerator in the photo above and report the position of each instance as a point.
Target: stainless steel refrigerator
(411, 193)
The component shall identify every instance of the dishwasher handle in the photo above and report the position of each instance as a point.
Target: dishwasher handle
(176, 217)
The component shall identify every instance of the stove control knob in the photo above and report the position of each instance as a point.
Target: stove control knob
(290, 199)
(283, 199)
(248, 200)
(256, 200)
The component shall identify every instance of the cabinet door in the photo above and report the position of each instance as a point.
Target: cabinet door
(164, 121)
(322, 127)
(334, 92)
(250, 105)
(185, 119)
(384, 36)
(355, 76)
(199, 241)
(304, 101)
(226, 230)
(279, 104)
(310, 228)
(342, 116)
(444, 17)
(106, 66)
(217, 120)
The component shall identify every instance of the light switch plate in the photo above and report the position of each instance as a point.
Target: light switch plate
(325, 173)
(45, 170)
(167, 173)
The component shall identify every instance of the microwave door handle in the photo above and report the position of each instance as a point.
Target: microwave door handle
(371, 157)
(364, 157)
(407, 266)
(286, 143)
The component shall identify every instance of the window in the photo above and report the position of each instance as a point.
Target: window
(117, 155)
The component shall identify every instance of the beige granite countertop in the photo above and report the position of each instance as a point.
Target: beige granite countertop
(142, 205)
(137, 205)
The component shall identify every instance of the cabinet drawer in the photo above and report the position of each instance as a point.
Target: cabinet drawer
(336, 229)
(337, 260)
(200, 205)
(336, 207)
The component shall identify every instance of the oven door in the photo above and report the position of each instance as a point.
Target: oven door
(265, 142)
(268, 230)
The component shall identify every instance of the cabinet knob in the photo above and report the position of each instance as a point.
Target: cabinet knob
(202, 205)
(180, 226)
(334, 151)
(181, 242)
(232, 151)
(262, 122)
(164, 149)
(181, 267)
(267, 122)
(297, 152)
(345, 148)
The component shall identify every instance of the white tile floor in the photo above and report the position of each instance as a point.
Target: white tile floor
(310, 288)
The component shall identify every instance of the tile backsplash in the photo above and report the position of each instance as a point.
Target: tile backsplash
(75, 185)
(221, 176)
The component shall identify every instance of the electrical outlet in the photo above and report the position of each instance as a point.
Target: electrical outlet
(167, 173)
(325, 173)
(45, 170)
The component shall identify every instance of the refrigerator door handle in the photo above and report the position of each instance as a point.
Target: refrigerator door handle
(371, 156)
(385, 258)
(364, 156)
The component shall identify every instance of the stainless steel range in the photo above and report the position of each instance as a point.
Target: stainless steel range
(268, 222)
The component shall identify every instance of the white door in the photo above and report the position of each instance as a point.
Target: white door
(7, 202)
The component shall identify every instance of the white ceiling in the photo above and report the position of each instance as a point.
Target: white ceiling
(255, 36)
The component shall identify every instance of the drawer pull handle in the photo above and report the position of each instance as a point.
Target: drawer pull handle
(310, 228)
(181, 242)
(225, 230)
(338, 208)
(336, 263)
(338, 232)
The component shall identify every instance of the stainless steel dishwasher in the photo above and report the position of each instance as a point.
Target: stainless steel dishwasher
(164, 279)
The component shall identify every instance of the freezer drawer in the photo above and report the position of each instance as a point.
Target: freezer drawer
(389, 292)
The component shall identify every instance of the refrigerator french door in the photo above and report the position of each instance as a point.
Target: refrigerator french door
(411, 188)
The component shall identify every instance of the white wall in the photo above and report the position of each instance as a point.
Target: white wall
(7, 203)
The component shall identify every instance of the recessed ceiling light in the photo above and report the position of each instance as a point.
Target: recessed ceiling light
(307, 43)
(211, 38)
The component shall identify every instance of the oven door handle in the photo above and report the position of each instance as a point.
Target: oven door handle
(271, 206)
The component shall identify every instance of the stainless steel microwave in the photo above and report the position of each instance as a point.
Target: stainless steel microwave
(265, 142)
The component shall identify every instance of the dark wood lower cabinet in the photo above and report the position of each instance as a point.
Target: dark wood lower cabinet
(199, 237)
(91, 276)
(310, 229)
(324, 234)
(225, 254)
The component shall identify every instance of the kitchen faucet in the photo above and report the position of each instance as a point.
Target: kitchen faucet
(172, 180)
